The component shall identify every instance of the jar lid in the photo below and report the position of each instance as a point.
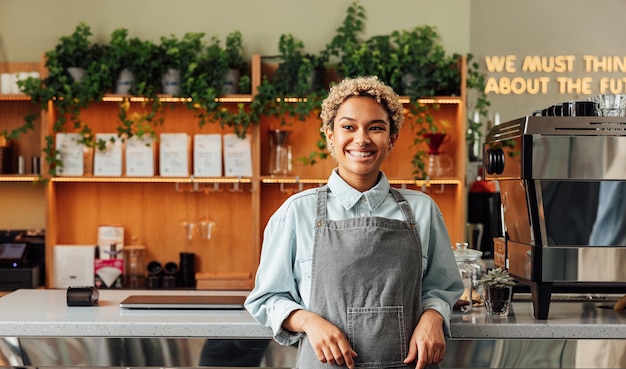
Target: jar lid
(463, 253)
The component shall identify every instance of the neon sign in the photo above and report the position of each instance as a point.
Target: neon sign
(535, 74)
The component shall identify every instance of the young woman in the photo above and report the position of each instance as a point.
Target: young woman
(361, 273)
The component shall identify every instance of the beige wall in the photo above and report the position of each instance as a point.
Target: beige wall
(548, 28)
(29, 27)
(483, 27)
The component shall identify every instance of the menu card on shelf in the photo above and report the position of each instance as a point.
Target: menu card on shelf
(237, 156)
(174, 155)
(71, 154)
(140, 156)
(108, 162)
(207, 155)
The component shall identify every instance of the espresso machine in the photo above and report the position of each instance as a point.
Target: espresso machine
(562, 183)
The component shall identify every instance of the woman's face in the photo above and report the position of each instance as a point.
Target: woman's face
(360, 140)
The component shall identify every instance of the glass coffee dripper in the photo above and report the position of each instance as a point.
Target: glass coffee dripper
(280, 161)
(438, 164)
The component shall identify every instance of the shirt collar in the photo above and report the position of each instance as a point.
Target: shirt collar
(348, 196)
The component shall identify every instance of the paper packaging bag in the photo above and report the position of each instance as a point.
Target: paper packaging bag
(73, 265)
(237, 156)
(174, 155)
(108, 162)
(140, 157)
(207, 155)
(71, 154)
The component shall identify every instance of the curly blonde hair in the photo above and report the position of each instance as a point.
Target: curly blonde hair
(369, 86)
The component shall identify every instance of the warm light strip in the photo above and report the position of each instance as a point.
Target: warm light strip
(224, 99)
(151, 180)
(435, 100)
(14, 97)
(8, 178)
(273, 180)
(232, 99)
(422, 182)
(235, 99)
(292, 99)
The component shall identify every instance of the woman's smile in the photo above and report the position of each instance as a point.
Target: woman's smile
(361, 138)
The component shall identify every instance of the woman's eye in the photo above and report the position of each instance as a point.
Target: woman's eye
(347, 127)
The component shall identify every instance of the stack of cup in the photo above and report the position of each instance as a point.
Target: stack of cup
(187, 269)
(608, 105)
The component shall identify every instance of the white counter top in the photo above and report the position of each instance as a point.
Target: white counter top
(566, 320)
(44, 313)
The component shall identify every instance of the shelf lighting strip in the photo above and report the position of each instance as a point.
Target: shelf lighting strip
(151, 179)
(14, 97)
(19, 178)
(230, 99)
(169, 99)
(433, 100)
(419, 182)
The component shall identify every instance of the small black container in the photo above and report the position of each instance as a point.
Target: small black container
(187, 270)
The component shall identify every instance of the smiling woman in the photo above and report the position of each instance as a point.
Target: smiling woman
(311, 283)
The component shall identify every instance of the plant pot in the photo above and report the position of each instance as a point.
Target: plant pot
(407, 81)
(231, 83)
(171, 82)
(124, 82)
(77, 73)
(498, 300)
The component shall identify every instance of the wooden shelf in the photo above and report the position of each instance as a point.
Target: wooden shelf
(151, 208)
(155, 179)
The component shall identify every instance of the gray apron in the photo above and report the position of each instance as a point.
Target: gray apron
(366, 279)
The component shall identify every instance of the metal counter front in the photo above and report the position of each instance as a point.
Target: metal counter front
(40, 330)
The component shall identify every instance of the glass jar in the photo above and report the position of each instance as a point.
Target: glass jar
(471, 267)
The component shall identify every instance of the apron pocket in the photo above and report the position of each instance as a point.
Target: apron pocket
(377, 335)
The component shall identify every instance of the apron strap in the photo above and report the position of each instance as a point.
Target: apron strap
(404, 207)
(321, 213)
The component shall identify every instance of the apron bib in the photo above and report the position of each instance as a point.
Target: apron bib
(366, 279)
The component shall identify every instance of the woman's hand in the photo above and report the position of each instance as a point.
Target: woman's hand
(329, 343)
(428, 343)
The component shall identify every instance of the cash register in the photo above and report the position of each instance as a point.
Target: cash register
(21, 260)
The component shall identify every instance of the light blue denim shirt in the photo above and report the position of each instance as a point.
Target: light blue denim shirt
(283, 279)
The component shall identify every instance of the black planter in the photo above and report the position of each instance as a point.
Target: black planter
(498, 300)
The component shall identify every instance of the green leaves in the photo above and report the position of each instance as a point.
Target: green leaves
(497, 277)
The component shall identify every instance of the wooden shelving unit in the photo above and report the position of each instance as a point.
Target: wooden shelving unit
(151, 209)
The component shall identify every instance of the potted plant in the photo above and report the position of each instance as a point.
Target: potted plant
(129, 58)
(76, 53)
(236, 62)
(175, 56)
(498, 286)
(70, 94)
(298, 77)
(203, 80)
(295, 90)
(135, 69)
